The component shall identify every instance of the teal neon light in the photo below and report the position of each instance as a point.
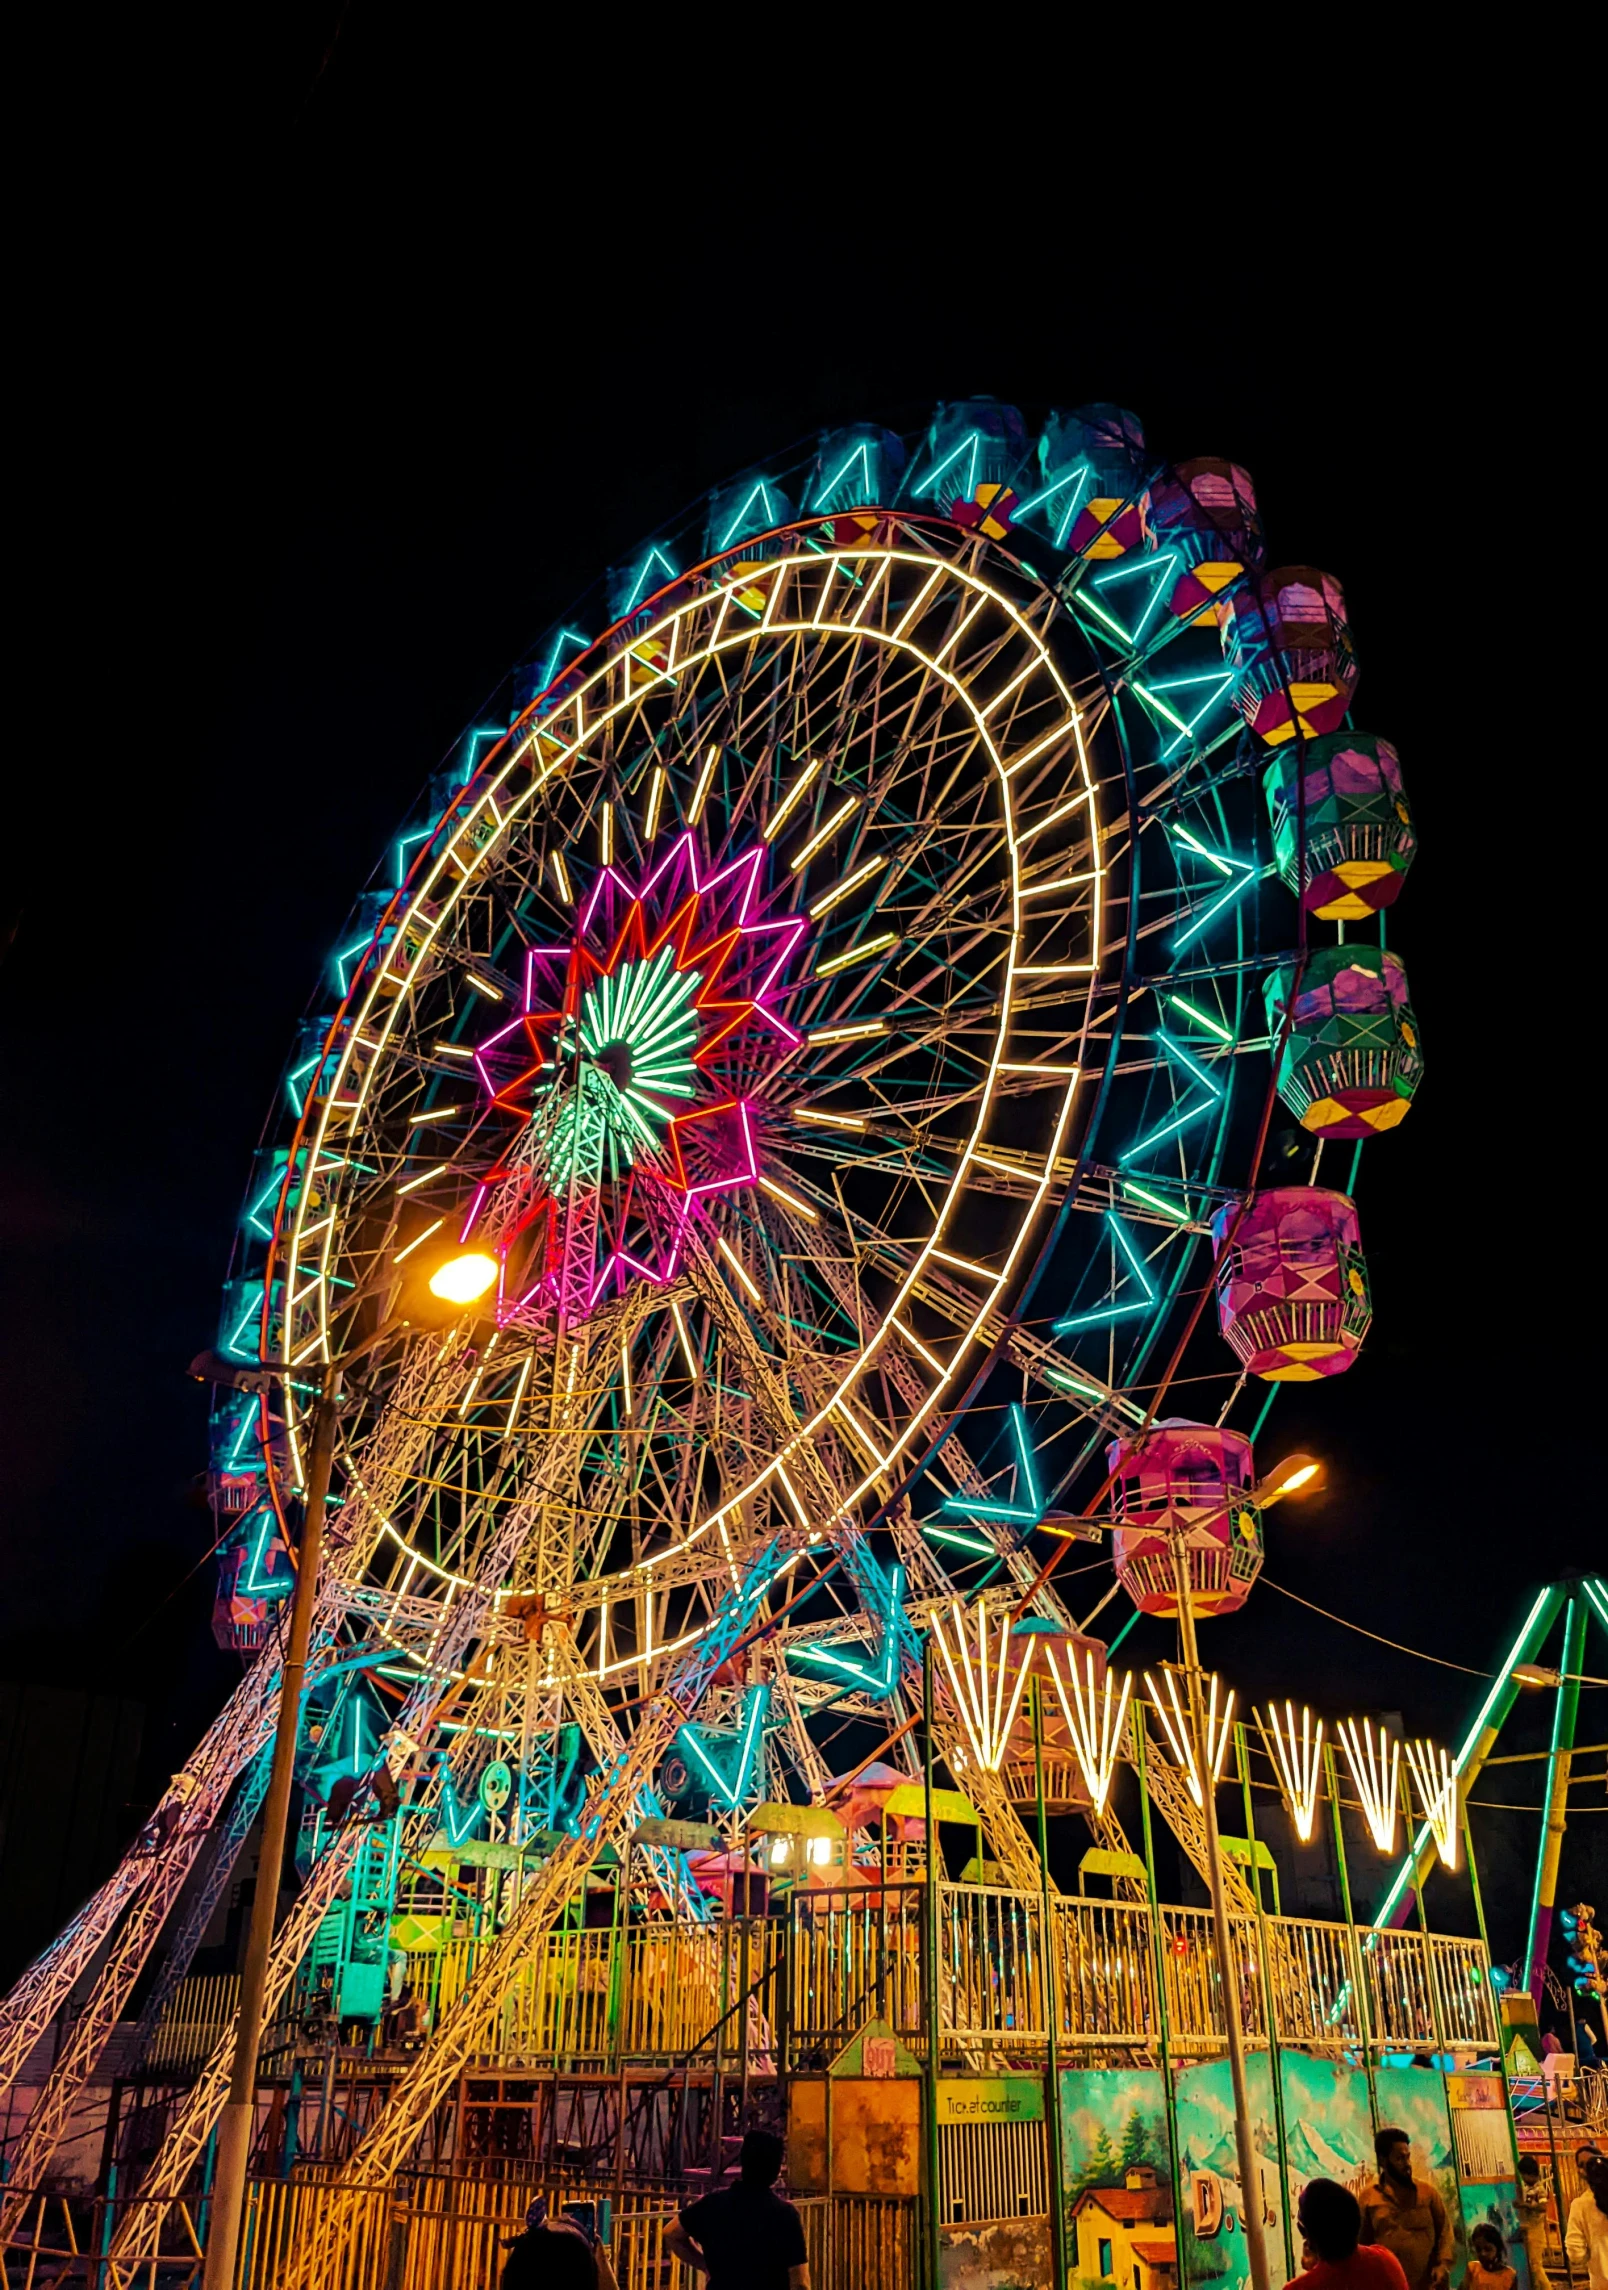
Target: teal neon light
(655, 556)
(1178, 1055)
(1077, 477)
(247, 1430)
(1599, 1602)
(1195, 697)
(254, 1213)
(256, 1582)
(297, 1097)
(1241, 874)
(459, 1821)
(880, 1681)
(732, 1788)
(1157, 570)
(860, 453)
(759, 492)
(1122, 1633)
(251, 1312)
(1023, 1512)
(555, 658)
(404, 844)
(471, 754)
(968, 443)
(1179, 1215)
(1106, 1313)
(1212, 1025)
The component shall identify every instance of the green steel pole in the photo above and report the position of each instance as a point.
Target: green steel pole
(1480, 1739)
(1275, 2065)
(1159, 1960)
(1557, 1799)
(930, 1968)
(1436, 2023)
(1052, 1997)
(1485, 1944)
(1359, 1983)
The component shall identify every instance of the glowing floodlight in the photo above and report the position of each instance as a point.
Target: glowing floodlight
(1297, 1754)
(1375, 1763)
(1296, 1475)
(1181, 1734)
(464, 1279)
(1435, 1778)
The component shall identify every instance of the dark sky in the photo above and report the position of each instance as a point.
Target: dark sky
(347, 365)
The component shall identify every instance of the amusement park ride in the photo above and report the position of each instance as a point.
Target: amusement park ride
(745, 1204)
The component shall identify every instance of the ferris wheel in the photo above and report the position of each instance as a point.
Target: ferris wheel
(764, 1154)
(827, 998)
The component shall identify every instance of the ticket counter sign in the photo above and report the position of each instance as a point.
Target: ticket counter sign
(990, 2099)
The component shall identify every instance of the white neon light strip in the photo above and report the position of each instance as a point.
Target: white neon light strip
(550, 745)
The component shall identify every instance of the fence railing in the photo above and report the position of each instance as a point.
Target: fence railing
(427, 2232)
(664, 1993)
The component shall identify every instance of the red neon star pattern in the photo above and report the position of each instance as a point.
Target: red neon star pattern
(637, 1049)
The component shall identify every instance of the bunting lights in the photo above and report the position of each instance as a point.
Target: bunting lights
(987, 1667)
(1435, 1779)
(1375, 1766)
(1174, 1716)
(1297, 1754)
(1094, 1709)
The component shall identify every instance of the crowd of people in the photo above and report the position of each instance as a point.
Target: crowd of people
(1398, 2236)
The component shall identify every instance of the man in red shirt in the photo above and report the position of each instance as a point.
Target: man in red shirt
(1330, 2219)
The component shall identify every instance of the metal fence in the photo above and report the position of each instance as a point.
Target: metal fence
(666, 1994)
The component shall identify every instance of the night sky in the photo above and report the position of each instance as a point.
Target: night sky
(353, 363)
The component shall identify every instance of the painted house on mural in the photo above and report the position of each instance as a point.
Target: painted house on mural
(1125, 2234)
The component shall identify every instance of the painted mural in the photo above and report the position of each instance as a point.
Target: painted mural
(1121, 2229)
(1214, 2248)
(1117, 2175)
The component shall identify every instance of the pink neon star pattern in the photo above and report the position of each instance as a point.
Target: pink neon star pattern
(631, 1068)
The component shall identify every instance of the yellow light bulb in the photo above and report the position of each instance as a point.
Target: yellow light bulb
(464, 1279)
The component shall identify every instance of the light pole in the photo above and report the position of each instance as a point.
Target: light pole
(454, 1284)
(1297, 1474)
(239, 2113)
(1227, 1968)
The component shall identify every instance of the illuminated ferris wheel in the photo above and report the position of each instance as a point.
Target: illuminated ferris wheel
(853, 1077)
(817, 1003)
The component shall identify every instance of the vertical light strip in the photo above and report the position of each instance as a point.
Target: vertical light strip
(605, 834)
(1297, 1755)
(700, 793)
(1375, 1775)
(1436, 1781)
(789, 803)
(655, 802)
(687, 1352)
